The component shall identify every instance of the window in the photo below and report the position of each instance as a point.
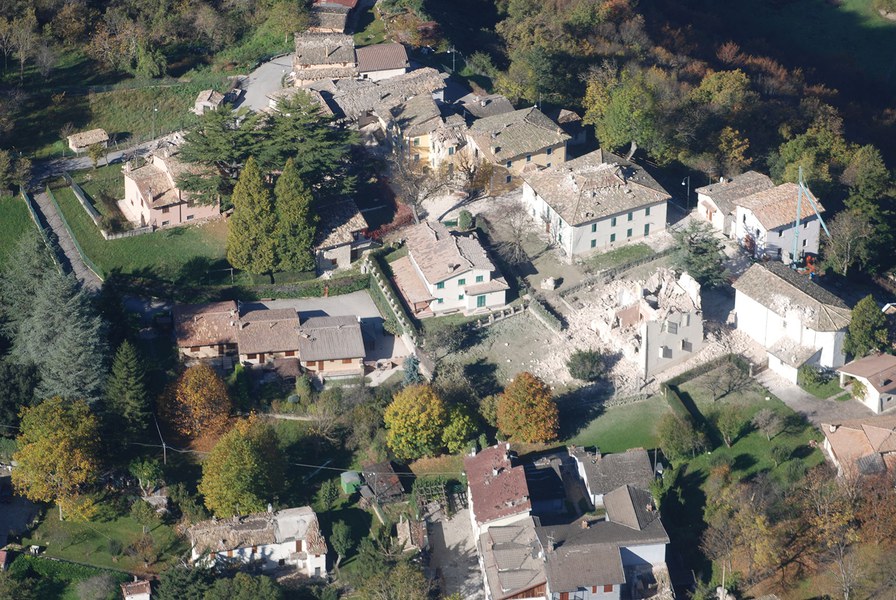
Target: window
(548, 165)
(451, 151)
(804, 243)
(780, 233)
(190, 217)
(608, 588)
(528, 158)
(665, 352)
(594, 243)
(593, 227)
(647, 212)
(687, 346)
(194, 349)
(346, 361)
(440, 285)
(165, 223)
(480, 278)
(612, 237)
(461, 282)
(165, 210)
(417, 157)
(439, 300)
(460, 296)
(613, 222)
(647, 229)
(480, 301)
(476, 152)
(671, 327)
(416, 141)
(281, 562)
(509, 163)
(290, 353)
(630, 216)
(251, 356)
(549, 151)
(507, 179)
(628, 233)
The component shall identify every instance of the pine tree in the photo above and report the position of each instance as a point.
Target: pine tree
(20, 281)
(126, 399)
(250, 236)
(296, 225)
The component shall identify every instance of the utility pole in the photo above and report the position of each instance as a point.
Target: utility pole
(164, 446)
(154, 111)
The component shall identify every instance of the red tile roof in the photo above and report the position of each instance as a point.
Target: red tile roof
(497, 488)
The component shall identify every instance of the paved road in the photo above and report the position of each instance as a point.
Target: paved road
(817, 411)
(264, 80)
(454, 555)
(51, 217)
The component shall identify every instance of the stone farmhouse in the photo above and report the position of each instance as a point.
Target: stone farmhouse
(289, 537)
(206, 330)
(323, 56)
(604, 473)
(341, 236)
(876, 375)
(151, 195)
(207, 100)
(594, 202)
(382, 61)
(796, 320)
(447, 272)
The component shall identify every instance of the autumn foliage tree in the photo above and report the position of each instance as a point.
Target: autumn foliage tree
(415, 421)
(57, 456)
(243, 471)
(527, 411)
(199, 402)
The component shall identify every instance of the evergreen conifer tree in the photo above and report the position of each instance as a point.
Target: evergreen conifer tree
(296, 224)
(250, 235)
(126, 399)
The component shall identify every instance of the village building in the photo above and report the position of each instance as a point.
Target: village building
(410, 126)
(382, 483)
(340, 236)
(475, 106)
(80, 142)
(323, 56)
(876, 379)
(268, 334)
(518, 141)
(447, 272)
(594, 202)
(139, 589)
(765, 222)
(206, 330)
(207, 100)
(796, 320)
(289, 537)
(382, 61)
(571, 124)
(604, 473)
(328, 16)
(152, 197)
(331, 346)
(717, 202)
(861, 446)
(512, 562)
(497, 492)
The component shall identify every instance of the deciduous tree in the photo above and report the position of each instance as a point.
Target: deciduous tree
(867, 330)
(679, 437)
(415, 421)
(148, 473)
(460, 430)
(527, 411)
(244, 470)
(341, 540)
(244, 586)
(768, 422)
(296, 223)
(199, 402)
(850, 241)
(57, 456)
(251, 231)
(730, 422)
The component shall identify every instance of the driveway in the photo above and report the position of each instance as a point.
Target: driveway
(356, 304)
(454, 555)
(815, 410)
(264, 80)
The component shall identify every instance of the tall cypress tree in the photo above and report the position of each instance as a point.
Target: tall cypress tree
(250, 235)
(127, 402)
(296, 224)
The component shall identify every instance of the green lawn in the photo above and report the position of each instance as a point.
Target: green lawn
(620, 256)
(371, 29)
(94, 542)
(622, 427)
(14, 222)
(173, 255)
(105, 186)
(824, 390)
(58, 580)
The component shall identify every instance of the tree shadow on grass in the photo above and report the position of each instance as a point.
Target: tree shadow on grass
(682, 513)
(483, 376)
(579, 407)
(743, 462)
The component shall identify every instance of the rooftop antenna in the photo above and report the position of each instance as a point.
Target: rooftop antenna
(803, 190)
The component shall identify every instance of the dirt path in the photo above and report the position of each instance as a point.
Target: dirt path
(51, 217)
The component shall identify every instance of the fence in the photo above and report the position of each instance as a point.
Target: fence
(44, 234)
(612, 272)
(371, 262)
(500, 315)
(87, 262)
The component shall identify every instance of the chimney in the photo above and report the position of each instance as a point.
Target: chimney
(483, 102)
(270, 508)
(584, 524)
(832, 428)
(494, 471)
(550, 545)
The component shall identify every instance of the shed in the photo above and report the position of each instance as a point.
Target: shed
(351, 481)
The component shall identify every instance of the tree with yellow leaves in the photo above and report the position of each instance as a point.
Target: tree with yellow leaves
(199, 402)
(244, 470)
(57, 456)
(415, 421)
(527, 411)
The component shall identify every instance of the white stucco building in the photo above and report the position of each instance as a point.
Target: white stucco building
(273, 539)
(764, 223)
(594, 202)
(796, 320)
(877, 376)
(447, 272)
(382, 61)
(717, 202)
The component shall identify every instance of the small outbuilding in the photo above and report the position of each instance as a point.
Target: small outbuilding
(207, 100)
(351, 482)
(81, 141)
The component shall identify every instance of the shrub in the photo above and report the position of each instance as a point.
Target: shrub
(98, 587)
(144, 513)
(812, 376)
(586, 365)
(465, 220)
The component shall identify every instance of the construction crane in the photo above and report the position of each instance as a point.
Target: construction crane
(803, 190)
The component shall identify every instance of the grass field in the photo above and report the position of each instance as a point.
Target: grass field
(14, 222)
(92, 542)
(105, 186)
(180, 254)
(622, 427)
(58, 580)
(620, 256)
(371, 29)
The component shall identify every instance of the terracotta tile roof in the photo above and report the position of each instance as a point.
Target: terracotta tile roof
(495, 285)
(205, 324)
(382, 57)
(339, 224)
(776, 207)
(595, 186)
(358, 98)
(268, 330)
(726, 193)
(324, 49)
(84, 139)
(506, 136)
(259, 529)
(511, 556)
(330, 338)
(853, 441)
(440, 255)
(878, 369)
(785, 292)
(409, 283)
(497, 488)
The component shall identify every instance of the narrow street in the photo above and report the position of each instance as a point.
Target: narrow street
(51, 217)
